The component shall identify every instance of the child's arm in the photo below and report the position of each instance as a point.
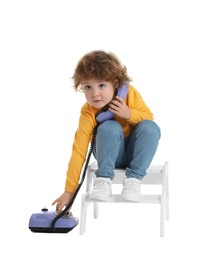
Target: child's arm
(79, 152)
(81, 142)
(138, 108)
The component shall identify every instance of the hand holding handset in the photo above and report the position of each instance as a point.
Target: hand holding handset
(105, 114)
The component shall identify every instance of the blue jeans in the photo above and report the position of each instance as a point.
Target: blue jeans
(135, 153)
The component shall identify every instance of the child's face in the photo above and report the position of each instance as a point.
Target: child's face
(98, 93)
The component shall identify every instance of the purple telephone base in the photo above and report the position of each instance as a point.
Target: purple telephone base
(41, 222)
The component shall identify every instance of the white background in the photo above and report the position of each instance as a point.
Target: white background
(162, 43)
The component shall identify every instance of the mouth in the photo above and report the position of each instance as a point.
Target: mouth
(97, 101)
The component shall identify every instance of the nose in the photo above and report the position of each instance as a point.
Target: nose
(95, 92)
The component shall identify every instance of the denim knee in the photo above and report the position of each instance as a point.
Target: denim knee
(149, 127)
(110, 128)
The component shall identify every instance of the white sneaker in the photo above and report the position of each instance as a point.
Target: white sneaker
(131, 189)
(102, 189)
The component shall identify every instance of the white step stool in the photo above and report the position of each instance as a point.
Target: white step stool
(156, 175)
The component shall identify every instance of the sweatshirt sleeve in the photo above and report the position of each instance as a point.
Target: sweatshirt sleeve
(79, 150)
(138, 108)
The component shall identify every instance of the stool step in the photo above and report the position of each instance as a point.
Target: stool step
(116, 198)
(153, 176)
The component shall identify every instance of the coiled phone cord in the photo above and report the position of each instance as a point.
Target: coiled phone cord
(81, 180)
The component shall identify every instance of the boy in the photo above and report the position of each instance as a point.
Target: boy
(128, 141)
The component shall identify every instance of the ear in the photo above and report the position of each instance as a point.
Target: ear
(116, 84)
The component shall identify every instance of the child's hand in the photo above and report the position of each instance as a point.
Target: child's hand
(120, 108)
(62, 201)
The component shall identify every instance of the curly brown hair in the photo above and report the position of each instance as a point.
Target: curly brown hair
(100, 65)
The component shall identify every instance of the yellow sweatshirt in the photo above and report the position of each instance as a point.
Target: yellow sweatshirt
(87, 122)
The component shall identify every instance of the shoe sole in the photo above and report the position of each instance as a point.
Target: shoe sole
(100, 198)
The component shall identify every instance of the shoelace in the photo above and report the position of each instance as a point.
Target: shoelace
(101, 184)
(130, 185)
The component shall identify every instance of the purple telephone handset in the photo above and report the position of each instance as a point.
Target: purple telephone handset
(104, 115)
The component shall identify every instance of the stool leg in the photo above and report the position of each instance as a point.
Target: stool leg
(167, 190)
(83, 216)
(162, 215)
(96, 209)
(167, 199)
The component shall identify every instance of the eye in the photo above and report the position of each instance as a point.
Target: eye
(102, 85)
(87, 87)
